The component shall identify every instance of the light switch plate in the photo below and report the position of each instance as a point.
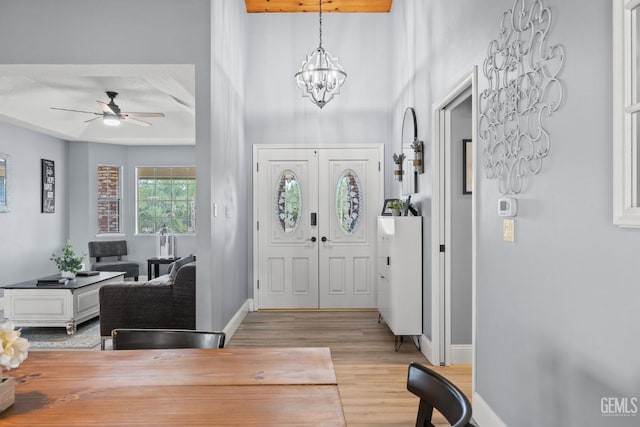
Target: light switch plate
(509, 230)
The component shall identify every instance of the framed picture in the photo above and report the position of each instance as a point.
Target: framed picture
(48, 190)
(467, 166)
(386, 210)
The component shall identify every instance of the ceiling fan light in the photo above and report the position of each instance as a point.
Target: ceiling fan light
(111, 120)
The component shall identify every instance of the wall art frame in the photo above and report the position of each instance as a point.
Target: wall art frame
(48, 186)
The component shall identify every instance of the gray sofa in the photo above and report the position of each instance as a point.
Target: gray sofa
(158, 304)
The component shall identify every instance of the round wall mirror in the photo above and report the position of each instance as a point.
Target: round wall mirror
(409, 128)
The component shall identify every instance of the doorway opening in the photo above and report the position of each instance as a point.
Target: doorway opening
(453, 276)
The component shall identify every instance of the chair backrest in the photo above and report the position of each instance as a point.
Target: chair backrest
(435, 391)
(107, 248)
(141, 339)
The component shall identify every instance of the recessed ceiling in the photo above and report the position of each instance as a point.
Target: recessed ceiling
(27, 93)
(296, 6)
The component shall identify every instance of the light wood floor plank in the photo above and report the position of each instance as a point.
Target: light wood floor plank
(372, 377)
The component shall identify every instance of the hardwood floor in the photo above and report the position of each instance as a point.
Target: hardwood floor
(372, 377)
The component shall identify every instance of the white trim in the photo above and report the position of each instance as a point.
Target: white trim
(626, 213)
(462, 354)
(2, 303)
(237, 319)
(306, 146)
(426, 348)
(483, 415)
(253, 226)
(440, 304)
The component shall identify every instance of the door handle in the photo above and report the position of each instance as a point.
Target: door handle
(313, 239)
(324, 239)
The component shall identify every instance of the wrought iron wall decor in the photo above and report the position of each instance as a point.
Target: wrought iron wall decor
(524, 88)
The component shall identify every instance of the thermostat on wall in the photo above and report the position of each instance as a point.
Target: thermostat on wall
(507, 206)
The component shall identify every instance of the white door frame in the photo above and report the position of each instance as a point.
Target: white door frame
(256, 147)
(441, 223)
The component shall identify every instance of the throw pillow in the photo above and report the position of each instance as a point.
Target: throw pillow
(179, 263)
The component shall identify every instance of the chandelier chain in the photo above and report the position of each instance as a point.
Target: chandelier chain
(320, 14)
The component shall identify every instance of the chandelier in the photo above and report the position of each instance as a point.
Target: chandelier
(321, 75)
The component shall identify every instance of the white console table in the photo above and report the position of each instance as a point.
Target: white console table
(28, 304)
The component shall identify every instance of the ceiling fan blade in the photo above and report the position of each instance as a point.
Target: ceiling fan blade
(142, 114)
(136, 122)
(94, 119)
(106, 108)
(76, 111)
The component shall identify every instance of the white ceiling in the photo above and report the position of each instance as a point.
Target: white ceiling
(28, 91)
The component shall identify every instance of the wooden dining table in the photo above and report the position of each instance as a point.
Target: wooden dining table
(181, 387)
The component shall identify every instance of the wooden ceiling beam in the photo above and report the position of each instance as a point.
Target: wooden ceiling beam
(301, 6)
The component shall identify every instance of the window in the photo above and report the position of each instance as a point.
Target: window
(288, 201)
(109, 195)
(166, 196)
(626, 110)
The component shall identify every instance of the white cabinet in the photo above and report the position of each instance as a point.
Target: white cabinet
(399, 271)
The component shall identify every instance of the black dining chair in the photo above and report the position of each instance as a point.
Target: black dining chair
(435, 391)
(144, 339)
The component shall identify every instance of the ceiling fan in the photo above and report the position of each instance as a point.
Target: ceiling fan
(111, 114)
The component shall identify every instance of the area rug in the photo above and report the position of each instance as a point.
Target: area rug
(87, 337)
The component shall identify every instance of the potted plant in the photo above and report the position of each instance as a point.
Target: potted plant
(418, 148)
(68, 262)
(398, 159)
(397, 207)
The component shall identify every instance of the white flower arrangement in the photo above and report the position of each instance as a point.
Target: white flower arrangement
(13, 348)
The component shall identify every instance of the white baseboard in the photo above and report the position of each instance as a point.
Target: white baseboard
(237, 319)
(461, 354)
(483, 415)
(426, 347)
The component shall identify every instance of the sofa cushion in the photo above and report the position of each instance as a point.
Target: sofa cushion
(160, 280)
(179, 263)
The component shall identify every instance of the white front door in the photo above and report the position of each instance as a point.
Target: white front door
(349, 209)
(287, 241)
(316, 210)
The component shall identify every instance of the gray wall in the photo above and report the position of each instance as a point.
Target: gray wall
(557, 317)
(29, 237)
(230, 159)
(276, 112)
(460, 244)
(83, 223)
(410, 87)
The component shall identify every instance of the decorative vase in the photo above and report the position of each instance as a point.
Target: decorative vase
(398, 172)
(417, 162)
(395, 212)
(67, 275)
(7, 392)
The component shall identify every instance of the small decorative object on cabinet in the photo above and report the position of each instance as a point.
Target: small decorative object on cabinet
(399, 268)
